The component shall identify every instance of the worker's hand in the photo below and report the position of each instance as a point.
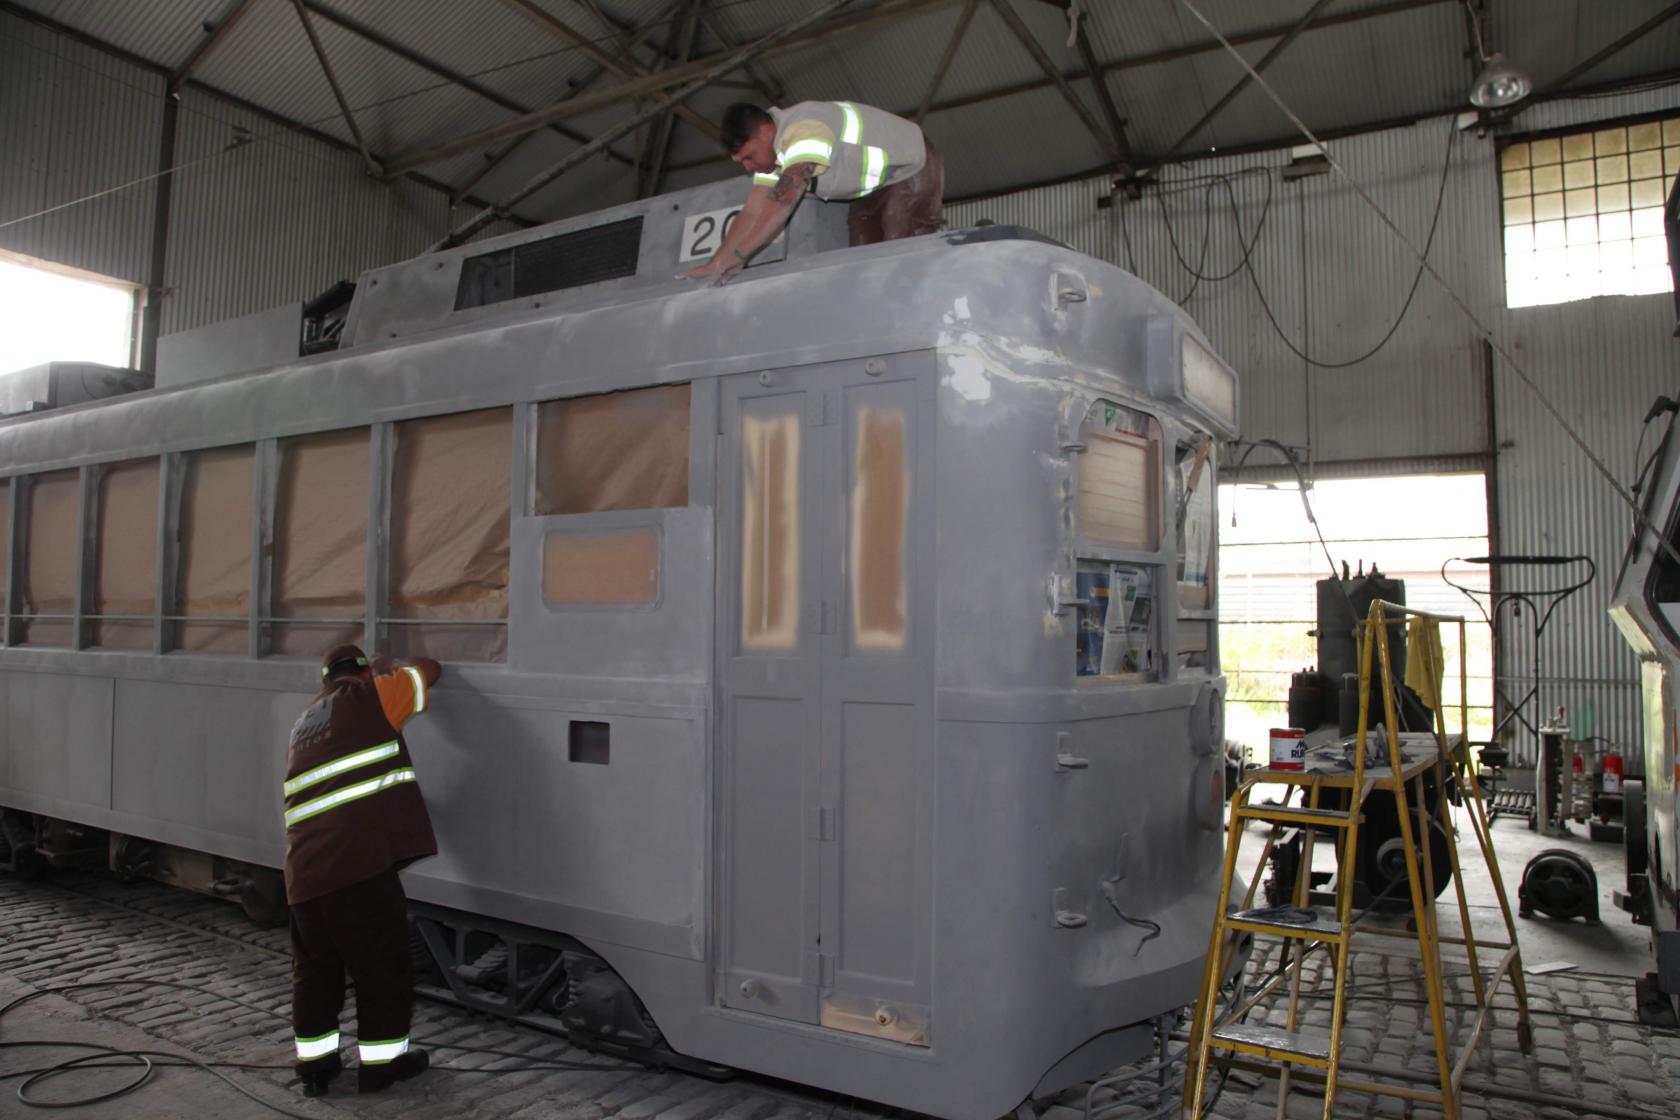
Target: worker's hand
(716, 271)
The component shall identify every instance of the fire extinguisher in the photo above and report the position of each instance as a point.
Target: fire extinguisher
(1612, 772)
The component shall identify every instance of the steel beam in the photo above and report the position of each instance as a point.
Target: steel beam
(765, 82)
(163, 194)
(1242, 83)
(1016, 24)
(684, 34)
(1192, 50)
(491, 163)
(1618, 46)
(385, 43)
(1105, 97)
(1153, 58)
(664, 101)
(213, 38)
(712, 66)
(626, 67)
(338, 91)
(950, 55)
(151, 66)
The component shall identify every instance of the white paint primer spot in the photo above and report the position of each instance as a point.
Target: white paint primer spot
(968, 376)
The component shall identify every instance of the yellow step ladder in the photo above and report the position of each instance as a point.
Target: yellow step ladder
(1335, 795)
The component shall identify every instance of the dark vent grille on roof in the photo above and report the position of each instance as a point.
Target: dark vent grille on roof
(553, 264)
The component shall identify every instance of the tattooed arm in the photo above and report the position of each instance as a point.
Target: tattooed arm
(765, 215)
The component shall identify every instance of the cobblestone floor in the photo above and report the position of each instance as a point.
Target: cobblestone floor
(83, 929)
(74, 930)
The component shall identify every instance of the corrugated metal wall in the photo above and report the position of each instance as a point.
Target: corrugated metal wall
(260, 214)
(1335, 279)
(263, 215)
(76, 122)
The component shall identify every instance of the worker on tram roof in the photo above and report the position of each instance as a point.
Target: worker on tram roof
(354, 817)
(882, 165)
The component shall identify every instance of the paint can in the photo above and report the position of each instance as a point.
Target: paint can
(1289, 748)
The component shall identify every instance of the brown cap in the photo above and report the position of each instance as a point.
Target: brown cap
(343, 659)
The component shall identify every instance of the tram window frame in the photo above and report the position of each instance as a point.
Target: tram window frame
(1102, 563)
(7, 487)
(660, 478)
(211, 633)
(438, 629)
(1197, 638)
(115, 551)
(292, 623)
(52, 629)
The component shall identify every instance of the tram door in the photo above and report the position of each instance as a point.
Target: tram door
(825, 671)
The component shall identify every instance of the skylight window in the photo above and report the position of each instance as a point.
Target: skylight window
(1584, 213)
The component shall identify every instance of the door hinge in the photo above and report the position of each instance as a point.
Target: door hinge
(821, 823)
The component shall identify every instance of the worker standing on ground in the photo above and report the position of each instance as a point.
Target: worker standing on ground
(883, 166)
(354, 817)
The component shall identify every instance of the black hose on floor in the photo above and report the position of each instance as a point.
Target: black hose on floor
(100, 1056)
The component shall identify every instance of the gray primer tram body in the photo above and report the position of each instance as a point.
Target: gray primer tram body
(929, 834)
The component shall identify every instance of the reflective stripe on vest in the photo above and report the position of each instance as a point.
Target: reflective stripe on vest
(347, 794)
(764, 180)
(419, 679)
(318, 1047)
(874, 168)
(852, 131)
(874, 159)
(378, 1053)
(806, 149)
(333, 769)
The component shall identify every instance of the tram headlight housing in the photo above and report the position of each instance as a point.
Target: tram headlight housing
(1182, 368)
(1207, 383)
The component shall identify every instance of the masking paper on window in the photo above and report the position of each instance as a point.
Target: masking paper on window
(626, 450)
(451, 494)
(879, 522)
(618, 568)
(1117, 491)
(320, 541)
(49, 573)
(215, 549)
(5, 534)
(770, 532)
(125, 555)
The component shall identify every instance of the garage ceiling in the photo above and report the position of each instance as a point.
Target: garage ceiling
(424, 85)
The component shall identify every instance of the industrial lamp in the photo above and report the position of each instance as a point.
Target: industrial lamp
(1499, 84)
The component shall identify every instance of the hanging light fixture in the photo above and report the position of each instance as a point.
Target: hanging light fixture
(1499, 84)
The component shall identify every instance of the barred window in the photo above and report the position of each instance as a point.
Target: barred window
(1584, 213)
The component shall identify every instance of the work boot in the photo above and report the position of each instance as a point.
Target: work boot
(376, 1079)
(317, 1073)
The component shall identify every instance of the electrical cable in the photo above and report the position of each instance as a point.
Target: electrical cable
(1452, 294)
(1411, 293)
(150, 1060)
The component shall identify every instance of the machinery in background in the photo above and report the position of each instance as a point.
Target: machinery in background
(1329, 697)
(1646, 608)
(1558, 883)
(1495, 603)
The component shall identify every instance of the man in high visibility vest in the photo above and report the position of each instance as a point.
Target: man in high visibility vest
(354, 816)
(883, 166)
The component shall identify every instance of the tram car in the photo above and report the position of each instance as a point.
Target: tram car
(832, 684)
(1646, 608)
